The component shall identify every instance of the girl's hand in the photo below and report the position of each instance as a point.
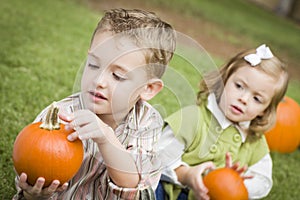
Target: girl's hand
(86, 125)
(37, 191)
(236, 166)
(192, 176)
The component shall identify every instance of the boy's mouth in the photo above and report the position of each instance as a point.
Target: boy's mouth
(97, 95)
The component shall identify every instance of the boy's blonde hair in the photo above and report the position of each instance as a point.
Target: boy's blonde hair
(214, 82)
(156, 37)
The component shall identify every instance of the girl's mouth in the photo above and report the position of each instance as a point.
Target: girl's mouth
(236, 109)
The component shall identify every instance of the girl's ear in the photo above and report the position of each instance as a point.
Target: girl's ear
(153, 87)
(262, 113)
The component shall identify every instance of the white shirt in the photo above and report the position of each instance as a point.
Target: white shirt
(171, 151)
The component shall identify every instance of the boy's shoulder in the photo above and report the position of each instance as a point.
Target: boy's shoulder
(144, 115)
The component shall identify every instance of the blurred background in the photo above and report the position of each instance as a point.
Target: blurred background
(44, 43)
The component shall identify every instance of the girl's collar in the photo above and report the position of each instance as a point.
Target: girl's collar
(214, 108)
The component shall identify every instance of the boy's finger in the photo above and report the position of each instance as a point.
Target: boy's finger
(38, 186)
(73, 136)
(22, 183)
(54, 185)
(65, 117)
(63, 187)
(23, 177)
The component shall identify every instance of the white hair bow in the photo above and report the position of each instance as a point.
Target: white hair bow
(262, 52)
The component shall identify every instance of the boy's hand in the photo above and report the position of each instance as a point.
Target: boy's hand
(37, 191)
(86, 125)
(119, 162)
(236, 166)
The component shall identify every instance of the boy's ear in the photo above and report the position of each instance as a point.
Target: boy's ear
(153, 87)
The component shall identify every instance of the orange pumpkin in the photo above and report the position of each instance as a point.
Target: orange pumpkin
(284, 137)
(42, 150)
(225, 183)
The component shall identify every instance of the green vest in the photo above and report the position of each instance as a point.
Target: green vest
(205, 140)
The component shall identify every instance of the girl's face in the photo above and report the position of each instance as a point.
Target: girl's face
(114, 76)
(247, 93)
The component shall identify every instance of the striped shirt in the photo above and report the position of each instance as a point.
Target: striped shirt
(138, 133)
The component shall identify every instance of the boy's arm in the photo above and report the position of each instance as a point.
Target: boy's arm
(148, 167)
(261, 183)
(120, 164)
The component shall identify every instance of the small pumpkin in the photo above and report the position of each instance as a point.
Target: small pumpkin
(284, 137)
(42, 150)
(225, 183)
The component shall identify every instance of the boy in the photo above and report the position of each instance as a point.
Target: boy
(128, 54)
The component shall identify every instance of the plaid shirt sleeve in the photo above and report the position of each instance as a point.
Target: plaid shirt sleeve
(144, 127)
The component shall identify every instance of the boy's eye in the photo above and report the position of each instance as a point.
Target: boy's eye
(118, 77)
(239, 86)
(92, 66)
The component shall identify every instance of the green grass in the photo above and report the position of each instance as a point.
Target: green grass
(44, 44)
(245, 20)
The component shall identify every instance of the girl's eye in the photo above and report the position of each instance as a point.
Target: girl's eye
(257, 99)
(92, 66)
(118, 77)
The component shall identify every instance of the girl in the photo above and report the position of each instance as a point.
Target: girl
(236, 105)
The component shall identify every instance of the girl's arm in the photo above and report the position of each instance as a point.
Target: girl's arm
(261, 183)
(170, 152)
(192, 177)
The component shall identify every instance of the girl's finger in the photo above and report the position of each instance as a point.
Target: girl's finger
(228, 159)
(247, 177)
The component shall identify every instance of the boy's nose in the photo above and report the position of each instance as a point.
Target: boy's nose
(101, 80)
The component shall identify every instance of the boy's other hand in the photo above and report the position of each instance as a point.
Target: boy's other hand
(37, 191)
(86, 125)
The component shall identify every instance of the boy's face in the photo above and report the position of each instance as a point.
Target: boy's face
(247, 93)
(114, 76)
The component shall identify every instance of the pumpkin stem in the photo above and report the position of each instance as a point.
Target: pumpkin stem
(51, 120)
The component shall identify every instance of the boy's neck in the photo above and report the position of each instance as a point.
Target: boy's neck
(112, 120)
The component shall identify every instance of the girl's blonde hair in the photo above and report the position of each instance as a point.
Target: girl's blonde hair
(147, 31)
(214, 82)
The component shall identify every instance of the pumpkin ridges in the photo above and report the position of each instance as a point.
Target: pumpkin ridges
(284, 137)
(47, 153)
(225, 183)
